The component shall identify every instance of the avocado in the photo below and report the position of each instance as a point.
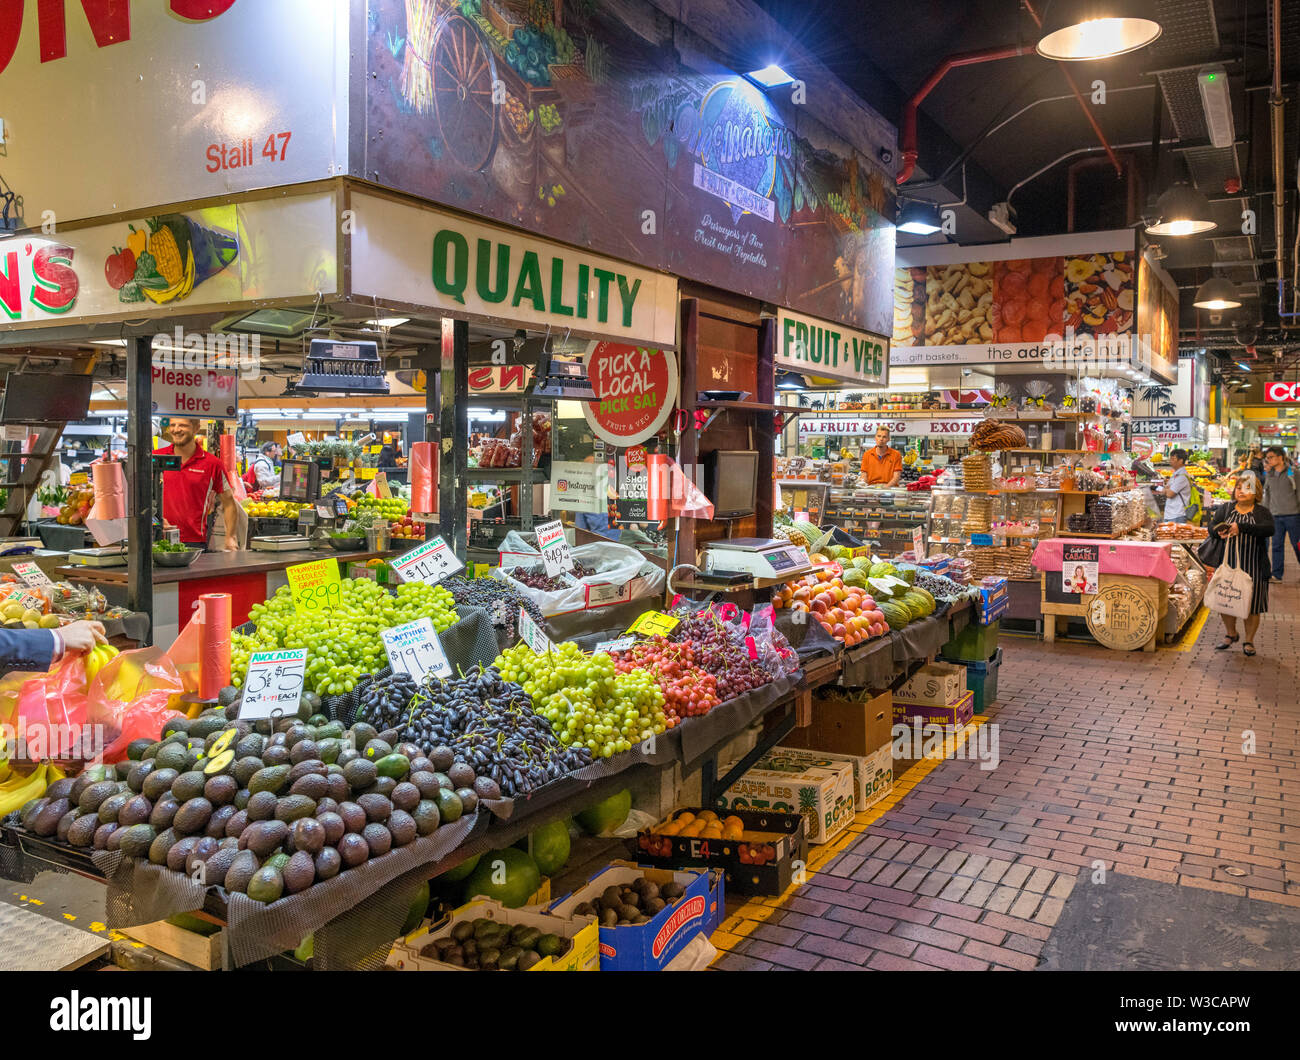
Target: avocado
(136, 748)
(354, 817)
(242, 797)
(328, 863)
(151, 752)
(228, 695)
(180, 851)
(261, 806)
(308, 834)
(204, 727)
(264, 837)
(362, 734)
(295, 733)
(266, 885)
(394, 765)
(360, 774)
(193, 816)
(307, 767)
(339, 789)
(271, 779)
(158, 781)
(405, 796)
(328, 750)
(291, 807)
(136, 810)
(426, 782)
(250, 746)
(354, 850)
(275, 755)
(221, 816)
(220, 790)
(135, 840)
(426, 817)
(163, 813)
(242, 869)
(245, 768)
(172, 756)
(376, 807)
(92, 796)
(218, 866)
(551, 945)
(300, 873)
(376, 749)
(449, 805)
(378, 839)
(136, 777)
(65, 822)
(278, 860)
(180, 725)
(332, 823)
(236, 824)
(218, 763)
(468, 799)
(162, 843)
(112, 806)
(188, 786)
(401, 826)
(313, 785)
(331, 730)
(81, 833)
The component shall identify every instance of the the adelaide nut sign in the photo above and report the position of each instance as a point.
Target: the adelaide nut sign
(636, 388)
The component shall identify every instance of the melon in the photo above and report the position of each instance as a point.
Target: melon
(550, 846)
(929, 597)
(606, 815)
(509, 876)
(853, 576)
(862, 563)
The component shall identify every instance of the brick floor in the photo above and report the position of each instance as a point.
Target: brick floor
(1181, 766)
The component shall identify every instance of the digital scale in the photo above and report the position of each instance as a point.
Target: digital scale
(109, 556)
(757, 556)
(280, 543)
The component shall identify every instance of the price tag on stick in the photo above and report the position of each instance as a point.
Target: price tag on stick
(415, 649)
(274, 684)
(621, 644)
(918, 543)
(556, 556)
(315, 586)
(531, 634)
(428, 563)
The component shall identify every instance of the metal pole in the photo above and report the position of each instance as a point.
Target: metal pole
(453, 389)
(139, 473)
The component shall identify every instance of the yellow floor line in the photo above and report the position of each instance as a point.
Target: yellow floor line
(742, 920)
(1191, 631)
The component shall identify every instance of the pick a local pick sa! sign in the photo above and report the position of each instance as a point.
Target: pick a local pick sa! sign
(823, 348)
(636, 388)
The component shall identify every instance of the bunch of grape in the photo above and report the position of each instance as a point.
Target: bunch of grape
(386, 703)
(342, 643)
(500, 601)
(586, 700)
(490, 724)
(537, 578)
(717, 653)
(688, 690)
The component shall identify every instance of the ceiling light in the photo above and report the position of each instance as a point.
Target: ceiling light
(771, 76)
(1096, 29)
(387, 322)
(790, 381)
(1213, 83)
(1183, 211)
(1243, 367)
(1217, 293)
(919, 218)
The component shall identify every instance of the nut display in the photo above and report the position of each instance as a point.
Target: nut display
(958, 302)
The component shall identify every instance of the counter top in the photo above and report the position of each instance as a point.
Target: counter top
(218, 564)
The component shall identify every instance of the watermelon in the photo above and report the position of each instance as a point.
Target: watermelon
(606, 815)
(550, 846)
(460, 871)
(509, 876)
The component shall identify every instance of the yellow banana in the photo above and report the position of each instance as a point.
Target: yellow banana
(16, 799)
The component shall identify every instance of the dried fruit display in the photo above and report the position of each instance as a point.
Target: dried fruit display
(1028, 299)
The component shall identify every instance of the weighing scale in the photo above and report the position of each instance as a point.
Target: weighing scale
(109, 556)
(758, 556)
(280, 543)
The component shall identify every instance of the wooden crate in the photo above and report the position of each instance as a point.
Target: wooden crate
(1153, 591)
(202, 951)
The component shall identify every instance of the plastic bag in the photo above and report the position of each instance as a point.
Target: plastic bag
(774, 652)
(616, 565)
(128, 679)
(184, 655)
(11, 687)
(142, 720)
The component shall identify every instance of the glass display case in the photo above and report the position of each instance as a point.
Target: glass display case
(881, 518)
(1008, 517)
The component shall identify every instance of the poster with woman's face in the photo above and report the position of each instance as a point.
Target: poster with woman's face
(1079, 569)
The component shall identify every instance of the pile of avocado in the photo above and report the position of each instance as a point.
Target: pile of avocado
(263, 813)
(634, 903)
(488, 945)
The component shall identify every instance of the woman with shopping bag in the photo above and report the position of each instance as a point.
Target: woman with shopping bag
(1239, 588)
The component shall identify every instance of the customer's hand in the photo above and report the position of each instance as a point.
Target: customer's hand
(1231, 530)
(82, 636)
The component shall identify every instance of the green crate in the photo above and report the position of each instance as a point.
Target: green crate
(973, 644)
(982, 679)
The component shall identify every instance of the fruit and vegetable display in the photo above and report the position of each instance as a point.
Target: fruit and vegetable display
(264, 813)
(496, 597)
(841, 603)
(274, 509)
(167, 548)
(689, 690)
(16, 615)
(19, 789)
(587, 702)
(706, 825)
(74, 510)
(487, 723)
(488, 945)
(634, 903)
(719, 650)
(343, 643)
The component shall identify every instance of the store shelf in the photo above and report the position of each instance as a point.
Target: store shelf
(752, 406)
(504, 474)
(1114, 535)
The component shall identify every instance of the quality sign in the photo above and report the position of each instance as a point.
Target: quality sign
(822, 348)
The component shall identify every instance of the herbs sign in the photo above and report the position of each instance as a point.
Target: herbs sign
(415, 649)
(555, 548)
(822, 348)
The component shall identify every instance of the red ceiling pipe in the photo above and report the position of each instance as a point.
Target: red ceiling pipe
(927, 86)
(1083, 103)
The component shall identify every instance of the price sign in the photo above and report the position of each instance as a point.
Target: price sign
(981, 540)
(415, 649)
(30, 601)
(297, 438)
(918, 542)
(654, 623)
(863, 550)
(315, 586)
(531, 634)
(325, 511)
(428, 563)
(604, 595)
(32, 574)
(555, 548)
(274, 684)
(621, 644)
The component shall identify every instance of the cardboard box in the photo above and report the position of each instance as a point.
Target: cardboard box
(847, 723)
(935, 684)
(782, 837)
(873, 774)
(582, 955)
(824, 795)
(959, 713)
(650, 946)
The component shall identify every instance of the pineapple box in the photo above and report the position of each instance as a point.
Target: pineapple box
(873, 774)
(822, 794)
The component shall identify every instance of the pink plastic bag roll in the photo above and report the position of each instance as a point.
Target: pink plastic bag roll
(110, 491)
(228, 452)
(424, 477)
(214, 644)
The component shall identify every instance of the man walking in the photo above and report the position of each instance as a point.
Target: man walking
(1178, 490)
(1282, 498)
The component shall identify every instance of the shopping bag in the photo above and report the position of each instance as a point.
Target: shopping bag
(1230, 589)
(1210, 551)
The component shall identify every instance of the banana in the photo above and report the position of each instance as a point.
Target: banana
(18, 797)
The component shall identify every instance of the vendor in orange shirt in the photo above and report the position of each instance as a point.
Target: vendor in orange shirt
(882, 465)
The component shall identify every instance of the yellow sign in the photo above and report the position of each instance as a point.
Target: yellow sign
(78, 478)
(864, 550)
(315, 586)
(482, 570)
(654, 624)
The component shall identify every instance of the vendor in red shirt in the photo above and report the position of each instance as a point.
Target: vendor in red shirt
(188, 493)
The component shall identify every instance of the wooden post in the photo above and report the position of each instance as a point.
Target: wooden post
(765, 427)
(689, 451)
(139, 474)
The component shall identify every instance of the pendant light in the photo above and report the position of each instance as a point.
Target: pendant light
(1082, 30)
(1182, 211)
(919, 218)
(1217, 294)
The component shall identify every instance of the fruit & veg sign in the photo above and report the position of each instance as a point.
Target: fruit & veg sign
(636, 388)
(835, 351)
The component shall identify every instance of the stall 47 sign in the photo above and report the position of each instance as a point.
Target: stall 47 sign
(36, 275)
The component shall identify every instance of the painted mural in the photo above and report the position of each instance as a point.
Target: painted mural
(561, 118)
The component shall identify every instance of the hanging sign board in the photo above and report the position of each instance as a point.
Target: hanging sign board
(636, 387)
(195, 392)
(833, 351)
